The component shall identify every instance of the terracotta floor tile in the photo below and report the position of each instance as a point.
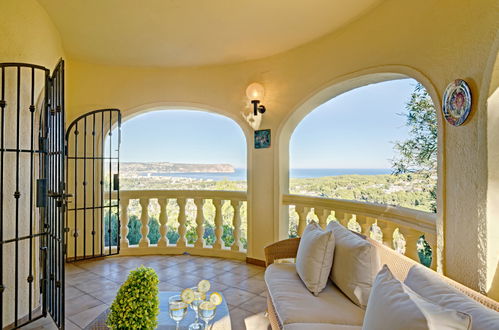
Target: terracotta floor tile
(82, 278)
(92, 285)
(242, 319)
(83, 318)
(72, 292)
(255, 305)
(80, 304)
(95, 285)
(236, 297)
(252, 285)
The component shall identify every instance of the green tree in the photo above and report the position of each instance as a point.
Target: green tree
(419, 152)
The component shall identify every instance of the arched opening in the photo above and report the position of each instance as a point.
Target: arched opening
(333, 156)
(492, 227)
(187, 163)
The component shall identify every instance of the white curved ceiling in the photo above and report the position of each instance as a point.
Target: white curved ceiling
(193, 32)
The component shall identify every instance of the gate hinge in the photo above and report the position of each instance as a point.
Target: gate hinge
(116, 182)
(41, 193)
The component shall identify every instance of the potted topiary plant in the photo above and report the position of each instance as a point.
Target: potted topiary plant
(136, 305)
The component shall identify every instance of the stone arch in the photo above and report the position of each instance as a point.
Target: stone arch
(489, 232)
(338, 86)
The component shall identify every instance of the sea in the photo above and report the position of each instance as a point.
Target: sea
(240, 173)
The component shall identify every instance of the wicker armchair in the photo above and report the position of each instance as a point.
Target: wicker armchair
(284, 249)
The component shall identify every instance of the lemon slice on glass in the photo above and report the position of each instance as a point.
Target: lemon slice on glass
(187, 295)
(216, 298)
(204, 286)
(206, 305)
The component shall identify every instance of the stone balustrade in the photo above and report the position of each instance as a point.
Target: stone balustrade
(397, 227)
(233, 201)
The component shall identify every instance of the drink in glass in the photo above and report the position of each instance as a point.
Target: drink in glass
(198, 299)
(207, 311)
(177, 309)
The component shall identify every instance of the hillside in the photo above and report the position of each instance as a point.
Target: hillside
(131, 169)
(415, 191)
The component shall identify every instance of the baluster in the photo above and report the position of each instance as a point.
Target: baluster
(199, 202)
(218, 224)
(365, 224)
(387, 230)
(432, 240)
(236, 222)
(343, 218)
(163, 229)
(322, 214)
(411, 240)
(124, 223)
(144, 219)
(302, 218)
(181, 222)
(376, 231)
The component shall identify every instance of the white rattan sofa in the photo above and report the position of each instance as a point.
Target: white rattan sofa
(291, 306)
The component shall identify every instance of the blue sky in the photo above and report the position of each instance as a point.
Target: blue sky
(353, 130)
(181, 136)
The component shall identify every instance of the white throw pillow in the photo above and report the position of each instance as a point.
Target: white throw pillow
(315, 257)
(394, 306)
(428, 284)
(356, 263)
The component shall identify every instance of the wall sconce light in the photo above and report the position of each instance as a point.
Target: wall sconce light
(255, 93)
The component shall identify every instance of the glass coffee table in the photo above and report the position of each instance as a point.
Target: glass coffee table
(220, 322)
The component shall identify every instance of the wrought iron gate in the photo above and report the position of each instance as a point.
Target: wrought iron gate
(32, 196)
(93, 151)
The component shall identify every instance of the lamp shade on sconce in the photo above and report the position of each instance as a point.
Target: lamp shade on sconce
(255, 91)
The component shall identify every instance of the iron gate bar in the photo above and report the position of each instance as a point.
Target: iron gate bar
(51, 249)
(95, 205)
(32, 110)
(2, 143)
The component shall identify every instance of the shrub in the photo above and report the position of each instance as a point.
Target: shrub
(136, 305)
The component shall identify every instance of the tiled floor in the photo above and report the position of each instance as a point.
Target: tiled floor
(92, 285)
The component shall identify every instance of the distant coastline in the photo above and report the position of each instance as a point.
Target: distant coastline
(239, 174)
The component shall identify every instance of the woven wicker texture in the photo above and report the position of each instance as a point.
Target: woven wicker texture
(284, 249)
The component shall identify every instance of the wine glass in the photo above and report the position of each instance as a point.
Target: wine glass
(207, 311)
(177, 309)
(198, 299)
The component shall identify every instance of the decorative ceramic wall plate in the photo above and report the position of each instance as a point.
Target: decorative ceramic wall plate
(457, 102)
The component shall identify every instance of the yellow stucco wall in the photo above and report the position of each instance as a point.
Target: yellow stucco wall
(432, 41)
(435, 41)
(27, 35)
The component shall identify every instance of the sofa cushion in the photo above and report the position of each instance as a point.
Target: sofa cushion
(430, 285)
(293, 302)
(320, 326)
(355, 264)
(394, 306)
(315, 257)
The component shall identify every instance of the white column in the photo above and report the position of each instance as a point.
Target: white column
(181, 222)
(302, 218)
(218, 224)
(322, 214)
(365, 224)
(236, 222)
(163, 229)
(144, 219)
(387, 229)
(124, 222)
(199, 202)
